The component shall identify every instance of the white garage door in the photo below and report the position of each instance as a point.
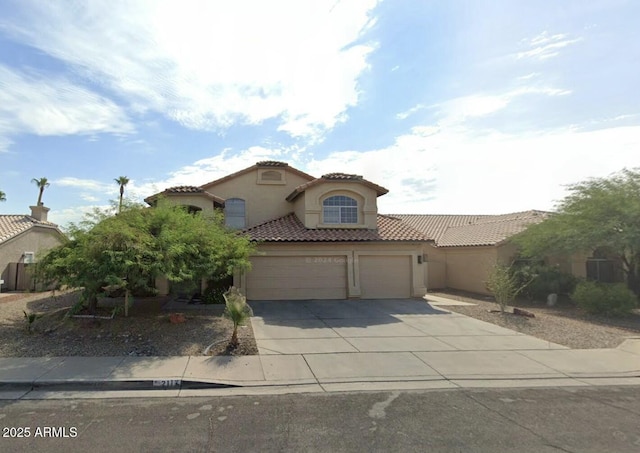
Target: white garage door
(297, 278)
(385, 277)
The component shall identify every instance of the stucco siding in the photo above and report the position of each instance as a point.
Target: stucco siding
(507, 252)
(262, 201)
(198, 200)
(365, 196)
(37, 240)
(435, 267)
(468, 267)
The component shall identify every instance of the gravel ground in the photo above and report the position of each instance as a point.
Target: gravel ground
(146, 332)
(563, 324)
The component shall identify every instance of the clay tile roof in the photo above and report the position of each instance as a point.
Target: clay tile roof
(184, 189)
(336, 177)
(472, 230)
(342, 176)
(13, 225)
(289, 229)
(271, 163)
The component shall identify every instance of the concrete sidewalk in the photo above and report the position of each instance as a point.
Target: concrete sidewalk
(336, 346)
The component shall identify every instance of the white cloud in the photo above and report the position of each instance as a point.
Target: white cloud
(497, 175)
(212, 168)
(85, 184)
(73, 214)
(437, 171)
(546, 46)
(89, 197)
(407, 113)
(208, 65)
(456, 111)
(45, 105)
(5, 142)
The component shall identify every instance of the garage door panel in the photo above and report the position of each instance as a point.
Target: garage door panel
(297, 277)
(295, 294)
(294, 283)
(385, 276)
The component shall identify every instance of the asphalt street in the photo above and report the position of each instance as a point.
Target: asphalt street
(603, 419)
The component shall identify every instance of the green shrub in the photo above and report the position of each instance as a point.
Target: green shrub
(604, 298)
(216, 287)
(546, 280)
(504, 286)
(213, 295)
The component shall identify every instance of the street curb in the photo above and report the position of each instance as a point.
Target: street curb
(171, 384)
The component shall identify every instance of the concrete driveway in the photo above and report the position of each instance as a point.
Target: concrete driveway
(391, 340)
(390, 325)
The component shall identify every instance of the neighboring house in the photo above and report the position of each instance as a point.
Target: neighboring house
(22, 239)
(323, 238)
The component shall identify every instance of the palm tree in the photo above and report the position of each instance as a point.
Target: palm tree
(122, 181)
(3, 196)
(238, 311)
(42, 183)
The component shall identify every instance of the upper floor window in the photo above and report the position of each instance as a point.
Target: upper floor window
(234, 214)
(340, 209)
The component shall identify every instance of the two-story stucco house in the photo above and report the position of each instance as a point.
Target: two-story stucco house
(323, 238)
(319, 238)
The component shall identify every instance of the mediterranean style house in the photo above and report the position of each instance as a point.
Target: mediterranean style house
(22, 239)
(323, 238)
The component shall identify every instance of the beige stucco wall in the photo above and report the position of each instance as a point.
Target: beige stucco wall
(36, 239)
(468, 267)
(365, 196)
(435, 268)
(198, 200)
(262, 201)
(351, 253)
(507, 252)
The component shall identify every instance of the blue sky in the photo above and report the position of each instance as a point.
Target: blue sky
(455, 107)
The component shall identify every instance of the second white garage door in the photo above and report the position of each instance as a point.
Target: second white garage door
(385, 277)
(297, 278)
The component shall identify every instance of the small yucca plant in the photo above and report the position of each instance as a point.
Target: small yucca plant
(237, 310)
(30, 319)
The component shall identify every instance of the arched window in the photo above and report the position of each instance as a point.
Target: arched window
(234, 215)
(340, 209)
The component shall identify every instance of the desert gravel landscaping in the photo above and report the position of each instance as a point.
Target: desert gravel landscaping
(146, 332)
(563, 324)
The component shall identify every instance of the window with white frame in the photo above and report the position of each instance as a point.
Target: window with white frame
(340, 209)
(234, 213)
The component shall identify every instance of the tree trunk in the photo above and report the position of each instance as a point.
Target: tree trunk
(633, 280)
(126, 303)
(234, 337)
(92, 302)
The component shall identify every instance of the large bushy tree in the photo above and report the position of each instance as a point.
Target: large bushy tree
(131, 249)
(597, 213)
